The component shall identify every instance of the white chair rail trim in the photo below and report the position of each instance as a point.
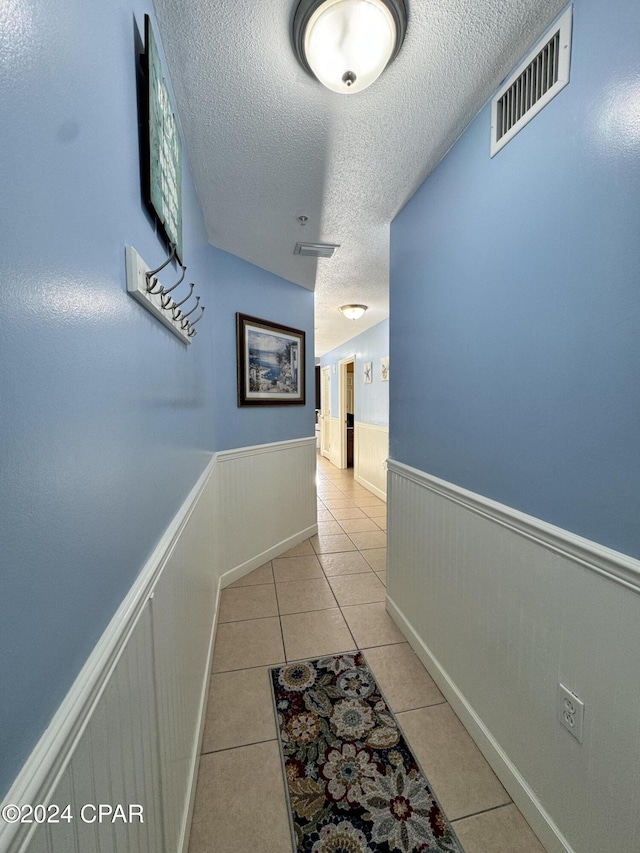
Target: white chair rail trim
(618, 567)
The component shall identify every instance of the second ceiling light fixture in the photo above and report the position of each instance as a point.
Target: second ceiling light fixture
(347, 44)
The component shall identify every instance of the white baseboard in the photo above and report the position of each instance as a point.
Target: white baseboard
(248, 566)
(265, 497)
(373, 489)
(522, 795)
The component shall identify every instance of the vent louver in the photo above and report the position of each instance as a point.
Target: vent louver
(316, 250)
(535, 82)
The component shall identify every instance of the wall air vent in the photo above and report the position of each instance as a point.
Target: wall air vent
(316, 250)
(533, 84)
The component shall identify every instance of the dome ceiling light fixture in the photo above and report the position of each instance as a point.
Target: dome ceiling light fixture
(353, 312)
(347, 44)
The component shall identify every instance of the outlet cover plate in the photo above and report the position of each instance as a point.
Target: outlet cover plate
(570, 711)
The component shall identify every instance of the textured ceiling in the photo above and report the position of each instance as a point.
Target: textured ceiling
(267, 143)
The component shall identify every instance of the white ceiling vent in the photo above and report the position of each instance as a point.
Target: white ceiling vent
(316, 250)
(533, 84)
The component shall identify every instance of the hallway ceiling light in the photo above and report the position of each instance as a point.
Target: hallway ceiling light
(347, 44)
(353, 312)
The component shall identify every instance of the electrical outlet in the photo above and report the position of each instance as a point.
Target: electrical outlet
(570, 711)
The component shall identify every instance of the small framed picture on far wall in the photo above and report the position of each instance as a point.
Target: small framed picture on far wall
(384, 368)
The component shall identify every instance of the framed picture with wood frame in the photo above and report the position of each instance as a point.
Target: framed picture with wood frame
(270, 363)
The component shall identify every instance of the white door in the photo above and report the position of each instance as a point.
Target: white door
(325, 412)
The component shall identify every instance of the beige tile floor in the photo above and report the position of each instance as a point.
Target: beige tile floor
(327, 595)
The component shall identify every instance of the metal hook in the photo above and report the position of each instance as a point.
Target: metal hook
(151, 273)
(188, 327)
(176, 305)
(185, 322)
(151, 286)
(167, 305)
(197, 320)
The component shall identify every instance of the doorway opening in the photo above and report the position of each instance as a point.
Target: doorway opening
(346, 411)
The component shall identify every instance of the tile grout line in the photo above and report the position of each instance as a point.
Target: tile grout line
(482, 811)
(251, 619)
(243, 668)
(284, 649)
(338, 603)
(247, 668)
(240, 746)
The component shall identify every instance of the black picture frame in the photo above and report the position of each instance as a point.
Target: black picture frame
(161, 149)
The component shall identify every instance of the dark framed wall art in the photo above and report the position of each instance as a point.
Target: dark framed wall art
(162, 149)
(270, 362)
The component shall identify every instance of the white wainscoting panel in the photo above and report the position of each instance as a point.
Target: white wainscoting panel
(183, 608)
(334, 442)
(130, 728)
(128, 731)
(371, 452)
(325, 436)
(115, 761)
(266, 499)
(40, 841)
(501, 607)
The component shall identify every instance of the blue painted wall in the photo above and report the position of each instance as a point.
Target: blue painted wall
(106, 420)
(251, 290)
(372, 400)
(515, 301)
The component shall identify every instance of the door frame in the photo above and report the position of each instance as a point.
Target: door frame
(325, 412)
(342, 404)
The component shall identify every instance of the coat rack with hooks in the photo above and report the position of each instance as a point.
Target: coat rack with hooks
(173, 307)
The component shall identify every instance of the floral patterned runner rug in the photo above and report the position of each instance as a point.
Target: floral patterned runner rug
(353, 784)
